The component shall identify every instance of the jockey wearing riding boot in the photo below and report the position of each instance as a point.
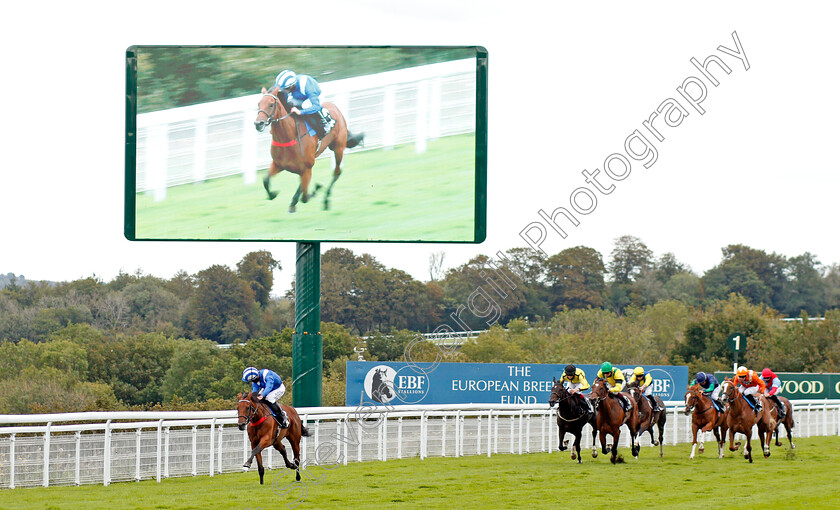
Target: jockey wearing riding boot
(575, 382)
(772, 389)
(749, 384)
(269, 388)
(645, 383)
(303, 94)
(615, 381)
(710, 385)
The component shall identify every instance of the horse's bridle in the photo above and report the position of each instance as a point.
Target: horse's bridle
(251, 414)
(567, 397)
(271, 118)
(697, 398)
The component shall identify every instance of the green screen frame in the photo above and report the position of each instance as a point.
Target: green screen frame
(481, 142)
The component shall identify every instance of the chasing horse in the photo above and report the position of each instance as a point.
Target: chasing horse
(648, 417)
(786, 420)
(741, 418)
(611, 416)
(573, 413)
(705, 417)
(264, 431)
(295, 145)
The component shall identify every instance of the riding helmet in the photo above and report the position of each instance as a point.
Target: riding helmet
(606, 367)
(742, 371)
(766, 373)
(250, 374)
(639, 371)
(570, 370)
(701, 378)
(286, 79)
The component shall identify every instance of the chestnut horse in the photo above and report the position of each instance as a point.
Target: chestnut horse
(787, 422)
(264, 431)
(611, 416)
(572, 415)
(741, 417)
(705, 417)
(648, 417)
(292, 148)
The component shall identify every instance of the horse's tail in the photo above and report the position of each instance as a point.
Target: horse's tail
(354, 139)
(304, 431)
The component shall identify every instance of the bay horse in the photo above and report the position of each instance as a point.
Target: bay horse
(705, 418)
(293, 150)
(571, 417)
(648, 417)
(610, 418)
(264, 431)
(788, 422)
(741, 418)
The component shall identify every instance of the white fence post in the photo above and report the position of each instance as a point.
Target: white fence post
(195, 450)
(12, 461)
(106, 473)
(137, 454)
(158, 452)
(78, 457)
(47, 456)
(212, 446)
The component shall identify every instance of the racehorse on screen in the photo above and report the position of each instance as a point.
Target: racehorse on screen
(292, 148)
(264, 431)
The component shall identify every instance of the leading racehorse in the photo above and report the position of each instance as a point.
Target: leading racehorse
(705, 417)
(571, 417)
(741, 418)
(292, 148)
(611, 416)
(264, 431)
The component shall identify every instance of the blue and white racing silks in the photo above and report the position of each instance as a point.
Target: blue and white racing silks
(268, 382)
(307, 93)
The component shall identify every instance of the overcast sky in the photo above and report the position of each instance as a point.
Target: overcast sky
(568, 83)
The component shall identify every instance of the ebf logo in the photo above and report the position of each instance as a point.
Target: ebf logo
(383, 384)
(803, 387)
(663, 383)
(379, 384)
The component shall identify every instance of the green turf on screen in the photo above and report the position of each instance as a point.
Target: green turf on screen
(392, 195)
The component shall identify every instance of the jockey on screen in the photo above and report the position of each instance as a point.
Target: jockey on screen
(645, 382)
(772, 389)
(269, 387)
(615, 382)
(575, 382)
(749, 384)
(303, 94)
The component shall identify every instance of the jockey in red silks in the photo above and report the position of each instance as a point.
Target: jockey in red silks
(772, 389)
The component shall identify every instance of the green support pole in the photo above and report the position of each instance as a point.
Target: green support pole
(307, 349)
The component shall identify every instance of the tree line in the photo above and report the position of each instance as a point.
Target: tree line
(142, 342)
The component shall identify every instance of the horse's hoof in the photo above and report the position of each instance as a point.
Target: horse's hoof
(291, 209)
(701, 450)
(297, 476)
(574, 456)
(326, 205)
(272, 195)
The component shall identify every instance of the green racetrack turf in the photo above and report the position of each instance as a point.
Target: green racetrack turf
(381, 194)
(806, 477)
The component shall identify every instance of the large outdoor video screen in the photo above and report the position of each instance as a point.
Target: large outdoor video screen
(217, 150)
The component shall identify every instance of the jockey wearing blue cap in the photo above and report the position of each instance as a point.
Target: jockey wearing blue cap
(269, 387)
(303, 94)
